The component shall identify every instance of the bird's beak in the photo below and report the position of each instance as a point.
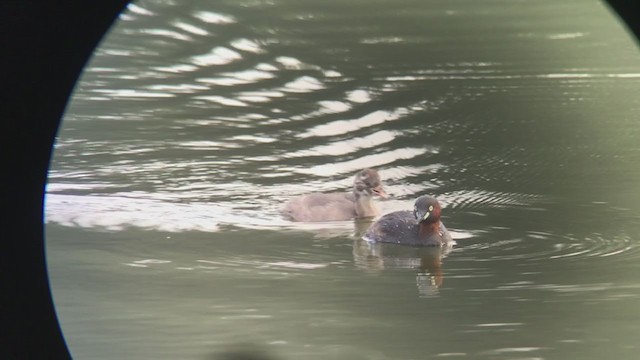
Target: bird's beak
(426, 215)
(379, 190)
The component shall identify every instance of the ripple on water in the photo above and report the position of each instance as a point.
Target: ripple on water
(542, 246)
(374, 160)
(340, 127)
(148, 211)
(348, 146)
(477, 198)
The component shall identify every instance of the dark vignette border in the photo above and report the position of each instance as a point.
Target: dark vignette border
(629, 12)
(44, 47)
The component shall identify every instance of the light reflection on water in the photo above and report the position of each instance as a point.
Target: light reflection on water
(194, 123)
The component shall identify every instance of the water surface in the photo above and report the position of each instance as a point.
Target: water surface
(195, 121)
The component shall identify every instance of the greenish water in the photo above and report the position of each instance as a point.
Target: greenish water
(195, 121)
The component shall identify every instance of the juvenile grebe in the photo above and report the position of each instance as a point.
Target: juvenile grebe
(339, 206)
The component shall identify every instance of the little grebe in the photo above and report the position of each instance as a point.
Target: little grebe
(339, 206)
(422, 227)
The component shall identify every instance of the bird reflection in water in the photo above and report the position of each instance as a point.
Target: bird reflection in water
(243, 351)
(375, 257)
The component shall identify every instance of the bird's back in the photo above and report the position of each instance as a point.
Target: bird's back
(321, 207)
(395, 227)
(401, 227)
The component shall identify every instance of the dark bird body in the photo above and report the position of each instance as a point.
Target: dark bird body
(421, 227)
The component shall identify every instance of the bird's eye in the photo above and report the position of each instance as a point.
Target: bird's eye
(430, 207)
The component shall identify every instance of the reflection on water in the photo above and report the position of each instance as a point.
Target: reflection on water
(195, 122)
(243, 351)
(427, 262)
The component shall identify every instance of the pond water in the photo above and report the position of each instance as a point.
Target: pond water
(195, 121)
